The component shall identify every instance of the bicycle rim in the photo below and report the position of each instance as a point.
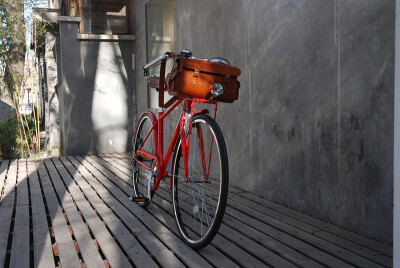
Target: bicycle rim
(199, 203)
(140, 174)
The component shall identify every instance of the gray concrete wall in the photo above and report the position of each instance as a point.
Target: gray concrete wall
(5, 110)
(396, 207)
(53, 142)
(313, 126)
(95, 91)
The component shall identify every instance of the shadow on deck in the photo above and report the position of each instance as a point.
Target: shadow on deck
(75, 212)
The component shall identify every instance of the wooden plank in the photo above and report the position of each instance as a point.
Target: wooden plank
(352, 253)
(20, 250)
(210, 253)
(236, 253)
(346, 253)
(245, 250)
(219, 259)
(116, 165)
(3, 171)
(372, 244)
(316, 231)
(164, 256)
(66, 247)
(143, 234)
(185, 253)
(310, 251)
(89, 252)
(363, 241)
(240, 237)
(108, 245)
(122, 162)
(328, 247)
(277, 246)
(6, 209)
(261, 252)
(42, 250)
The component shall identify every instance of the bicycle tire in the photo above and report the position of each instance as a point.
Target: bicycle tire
(140, 175)
(199, 225)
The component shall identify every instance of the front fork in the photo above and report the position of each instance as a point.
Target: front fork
(185, 130)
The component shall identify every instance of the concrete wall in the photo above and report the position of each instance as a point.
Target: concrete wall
(396, 207)
(95, 92)
(53, 142)
(5, 110)
(313, 126)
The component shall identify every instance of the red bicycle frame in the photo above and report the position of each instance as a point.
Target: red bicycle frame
(180, 130)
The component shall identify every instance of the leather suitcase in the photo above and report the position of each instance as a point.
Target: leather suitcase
(195, 78)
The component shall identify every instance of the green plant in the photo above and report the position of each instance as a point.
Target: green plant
(21, 28)
(8, 137)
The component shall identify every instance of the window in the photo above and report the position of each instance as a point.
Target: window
(100, 16)
(161, 37)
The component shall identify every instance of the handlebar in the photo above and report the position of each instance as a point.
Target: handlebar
(184, 53)
(156, 61)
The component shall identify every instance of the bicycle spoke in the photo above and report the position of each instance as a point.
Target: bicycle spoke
(195, 203)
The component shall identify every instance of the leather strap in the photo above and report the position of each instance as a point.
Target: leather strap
(163, 81)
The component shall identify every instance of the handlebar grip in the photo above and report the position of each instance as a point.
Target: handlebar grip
(156, 61)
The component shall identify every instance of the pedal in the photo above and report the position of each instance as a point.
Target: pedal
(138, 199)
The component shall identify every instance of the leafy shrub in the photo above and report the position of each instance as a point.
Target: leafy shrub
(8, 137)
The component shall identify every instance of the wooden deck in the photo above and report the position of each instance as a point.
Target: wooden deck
(75, 212)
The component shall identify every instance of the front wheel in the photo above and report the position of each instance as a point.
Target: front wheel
(199, 202)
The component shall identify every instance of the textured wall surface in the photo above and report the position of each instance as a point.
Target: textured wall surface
(51, 105)
(313, 126)
(396, 177)
(5, 110)
(96, 94)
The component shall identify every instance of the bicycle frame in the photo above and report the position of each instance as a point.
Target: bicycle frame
(180, 130)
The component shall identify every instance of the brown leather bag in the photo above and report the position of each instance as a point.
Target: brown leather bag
(195, 78)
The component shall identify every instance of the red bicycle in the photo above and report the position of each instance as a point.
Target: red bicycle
(199, 172)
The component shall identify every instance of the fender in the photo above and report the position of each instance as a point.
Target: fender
(201, 111)
(152, 117)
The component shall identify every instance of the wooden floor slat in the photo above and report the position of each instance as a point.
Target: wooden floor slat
(42, 250)
(212, 255)
(229, 233)
(111, 250)
(75, 212)
(180, 249)
(345, 250)
(6, 209)
(20, 251)
(336, 231)
(64, 243)
(87, 247)
(316, 231)
(231, 248)
(3, 171)
(121, 233)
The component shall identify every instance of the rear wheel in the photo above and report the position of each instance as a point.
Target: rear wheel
(141, 175)
(199, 202)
